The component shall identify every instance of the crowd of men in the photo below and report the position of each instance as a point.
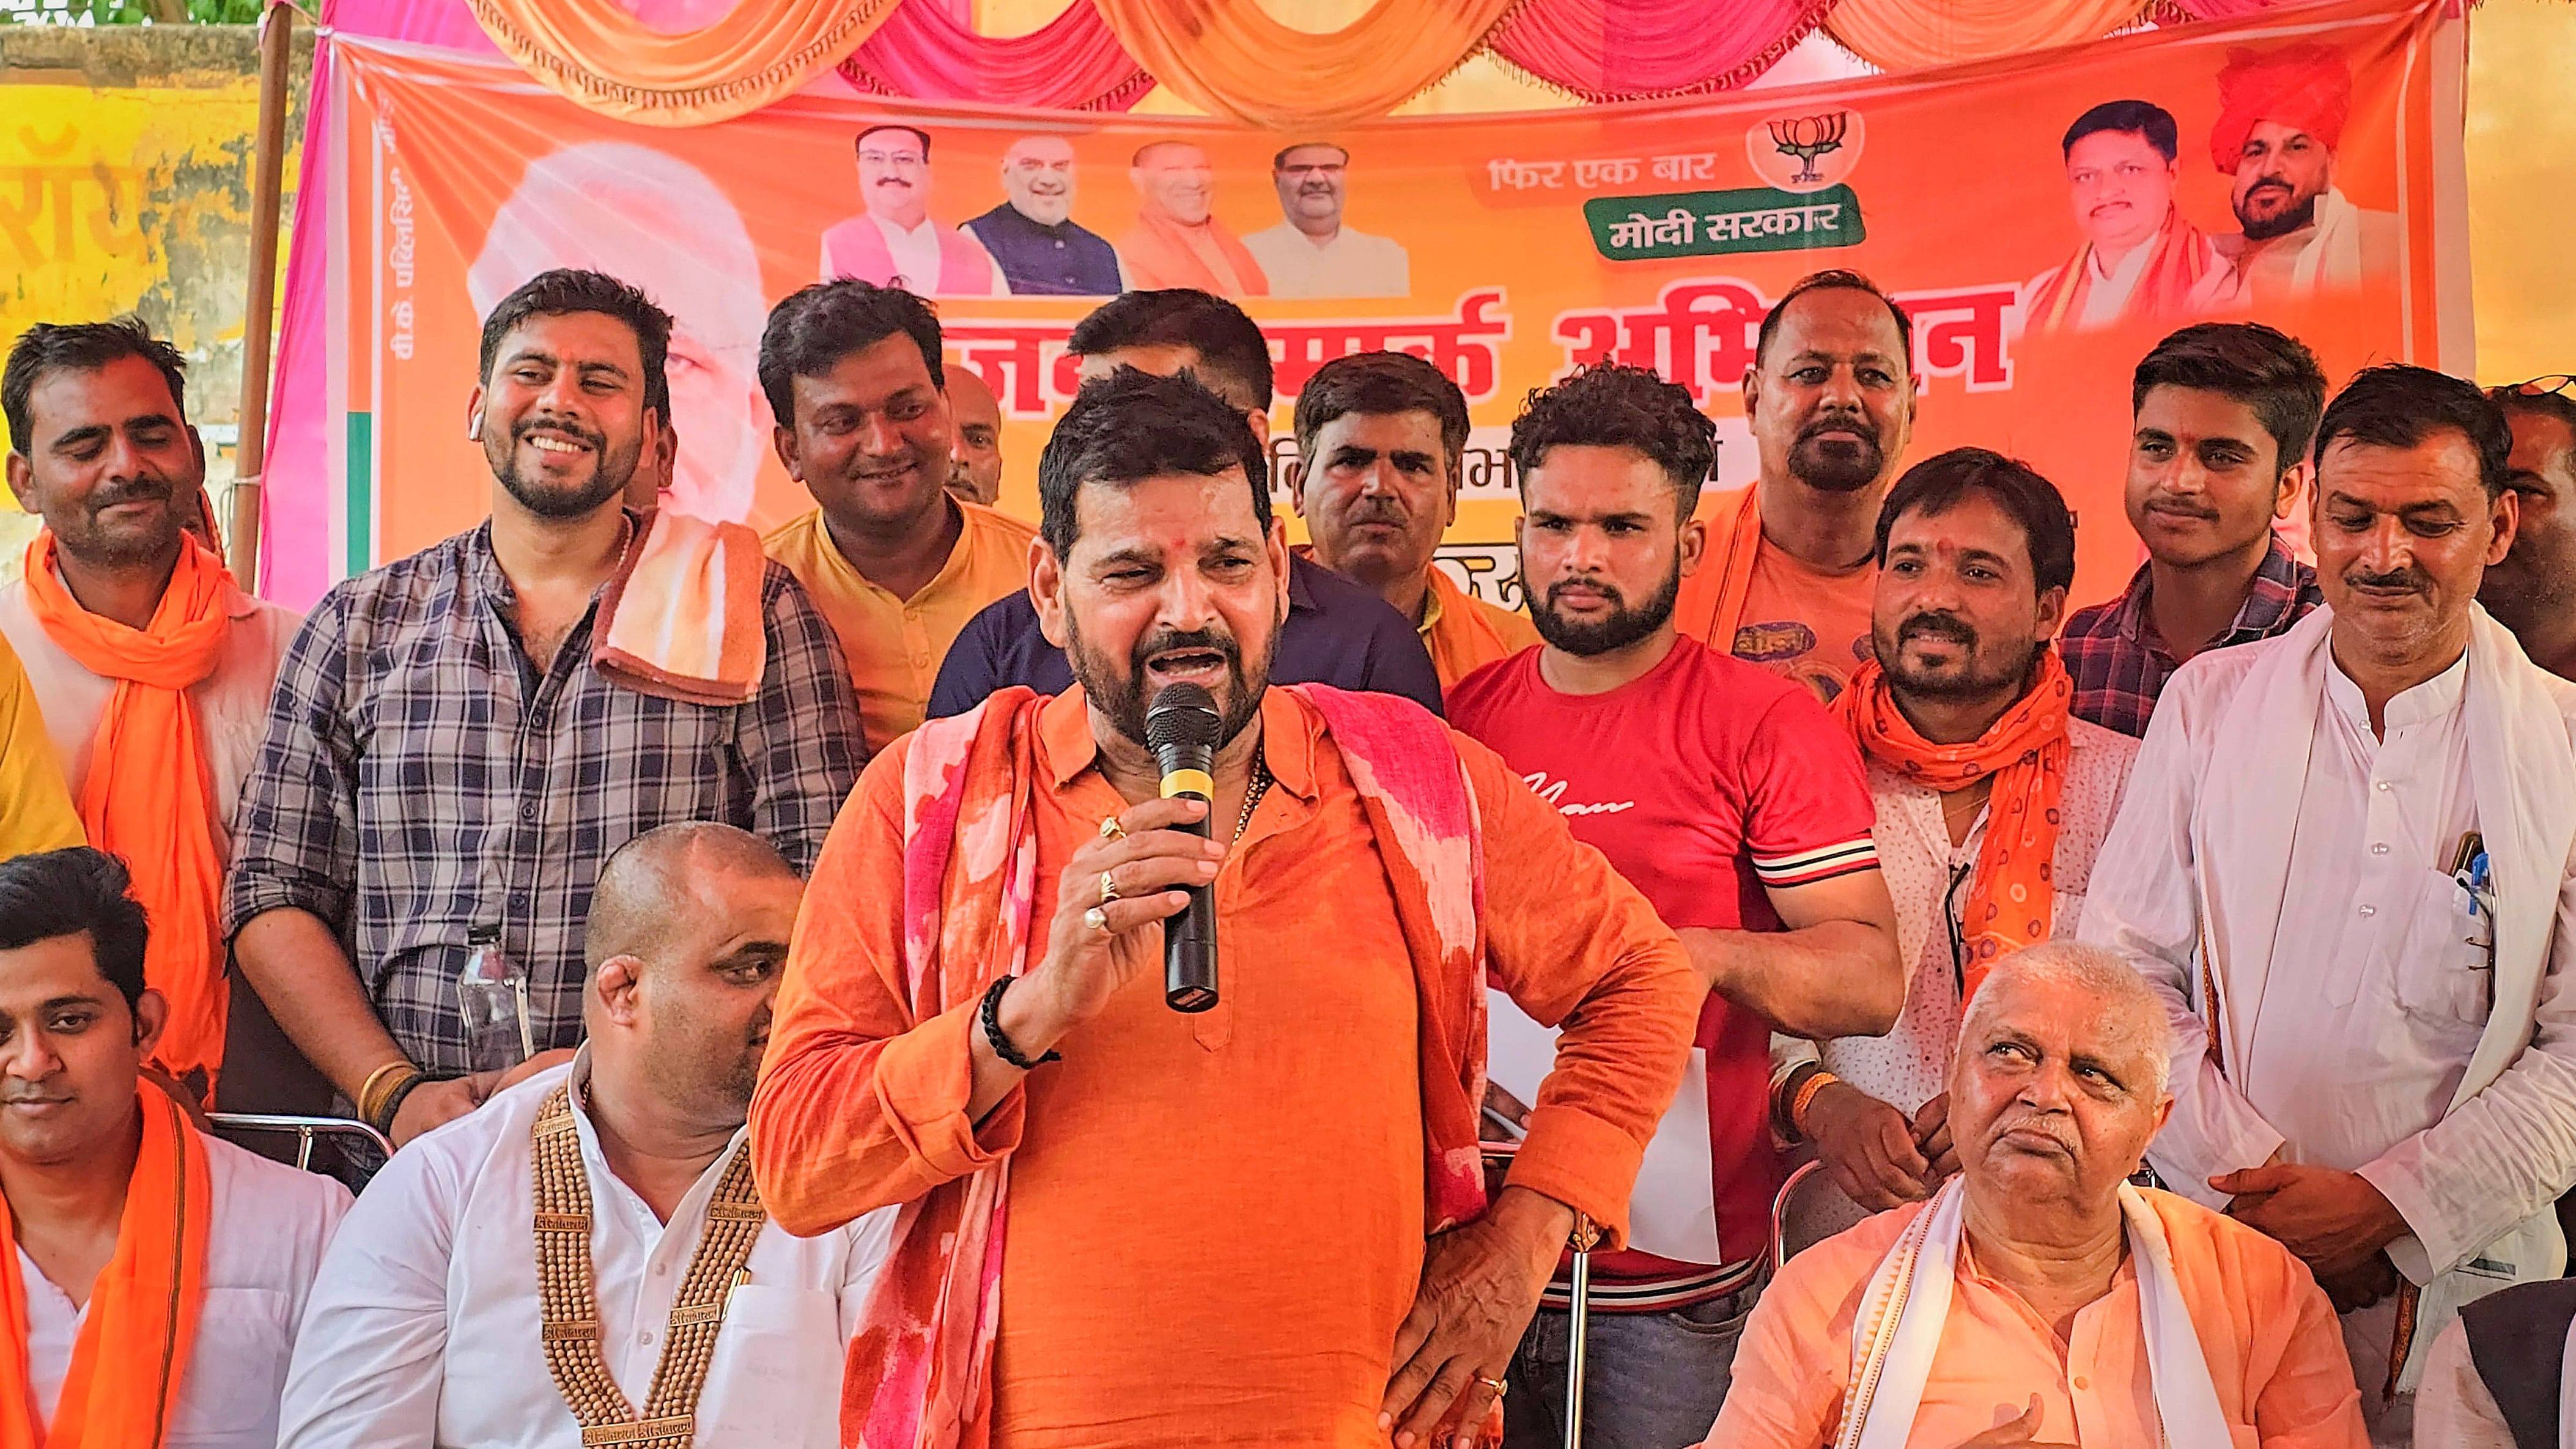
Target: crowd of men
(2177, 995)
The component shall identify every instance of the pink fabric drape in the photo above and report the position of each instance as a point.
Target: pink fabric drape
(1073, 62)
(1628, 50)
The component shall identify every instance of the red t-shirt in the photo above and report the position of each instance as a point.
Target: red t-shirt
(1704, 781)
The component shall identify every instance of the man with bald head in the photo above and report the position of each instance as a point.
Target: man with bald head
(1177, 241)
(975, 458)
(663, 1292)
(1032, 236)
(2039, 1298)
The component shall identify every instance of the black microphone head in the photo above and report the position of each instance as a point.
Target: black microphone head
(1182, 715)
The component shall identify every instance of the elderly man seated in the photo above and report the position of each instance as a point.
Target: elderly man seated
(2038, 1298)
(586, 1259)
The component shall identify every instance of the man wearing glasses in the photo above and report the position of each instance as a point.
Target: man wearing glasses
(1311, 254)
(894, 243)
(2533, 592)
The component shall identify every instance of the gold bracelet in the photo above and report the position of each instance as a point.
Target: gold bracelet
(1807, 1091)
(372, 1094)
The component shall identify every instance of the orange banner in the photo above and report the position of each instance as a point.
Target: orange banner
(2302, 167)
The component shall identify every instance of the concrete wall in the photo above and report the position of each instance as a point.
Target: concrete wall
(125, 186)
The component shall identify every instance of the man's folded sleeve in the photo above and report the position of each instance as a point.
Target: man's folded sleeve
(860, 1105)
(1577, 947)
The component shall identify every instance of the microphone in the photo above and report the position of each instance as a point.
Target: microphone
(1181, 728)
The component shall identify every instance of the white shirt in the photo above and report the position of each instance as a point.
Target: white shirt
(915, 254)
(1352, 264)
(2453, 1408)
(232, 702)
(1929, 880)
(2374, 999)
(435, 1284)
(263, 1246)
(2109, 294)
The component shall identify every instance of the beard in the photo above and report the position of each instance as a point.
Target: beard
(1980, 674)
(2289, 218)
(1123, 698)
(106, 546)
(1846, 463)
(610, 471)
(1624, 626)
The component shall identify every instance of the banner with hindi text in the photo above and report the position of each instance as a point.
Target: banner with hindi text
(2315, 183)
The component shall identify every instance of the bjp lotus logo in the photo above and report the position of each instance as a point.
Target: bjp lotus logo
(1806, 152)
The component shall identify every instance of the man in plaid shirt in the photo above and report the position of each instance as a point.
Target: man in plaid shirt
(2224, 413)
(443, 758)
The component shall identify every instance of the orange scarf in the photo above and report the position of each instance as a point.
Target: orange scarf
(149, 798)
(2013, 901)
(2163, 293)
(142, 1320)
(1710, 606)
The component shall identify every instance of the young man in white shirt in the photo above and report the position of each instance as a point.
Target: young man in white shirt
(2345, 861)
(669, 1310)
(155, 1273)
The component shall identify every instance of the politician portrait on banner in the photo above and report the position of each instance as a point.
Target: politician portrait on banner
(2041, 224)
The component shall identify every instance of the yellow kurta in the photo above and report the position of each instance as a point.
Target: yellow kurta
(895, 645)
(35, 807)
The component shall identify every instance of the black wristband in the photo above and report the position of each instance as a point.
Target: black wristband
(394, 1101)
(1001, 1044)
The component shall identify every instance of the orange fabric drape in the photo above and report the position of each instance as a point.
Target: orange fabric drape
(2013, 902)
(600, 56)
(1912, 34)
(1230, 59)
(148, 798)
(135, 1341)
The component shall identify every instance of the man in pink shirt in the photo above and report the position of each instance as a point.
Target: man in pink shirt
(2038, 1298)
(1729, 797)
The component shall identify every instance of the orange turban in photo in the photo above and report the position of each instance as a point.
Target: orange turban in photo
(2307, 87)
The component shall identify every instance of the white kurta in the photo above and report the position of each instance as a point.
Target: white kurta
(263, 1246)
(424, 1328)
(2356, 1028)
(1352, 264)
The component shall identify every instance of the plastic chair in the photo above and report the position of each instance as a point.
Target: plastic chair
(305, 1129)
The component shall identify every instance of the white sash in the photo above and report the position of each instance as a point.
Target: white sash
(2524, 781)
(1895, 1339)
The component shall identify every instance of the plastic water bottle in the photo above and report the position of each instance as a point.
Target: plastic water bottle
(493, 996)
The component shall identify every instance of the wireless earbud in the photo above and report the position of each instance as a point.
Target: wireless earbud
(474, 429)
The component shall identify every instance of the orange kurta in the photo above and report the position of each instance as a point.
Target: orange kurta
(1464, 633)
(1239, 1193)
(2273, 1347)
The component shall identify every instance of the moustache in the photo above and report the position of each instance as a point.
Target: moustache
(1938, 626)
(2045, 1126)
(596, 442)
(144, 488)
(2412, 580)
(1839, 423)
(1603, 587)
(1169, 640)
(2179, 507)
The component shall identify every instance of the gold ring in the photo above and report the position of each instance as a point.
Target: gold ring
(1110, 829)
(1497, 1385)
(1108, 887)
(1097, 920)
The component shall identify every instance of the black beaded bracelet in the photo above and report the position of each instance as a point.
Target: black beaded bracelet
(992, 1016)
(394, 1100)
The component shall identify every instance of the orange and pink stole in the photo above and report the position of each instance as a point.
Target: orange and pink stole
(919, 1373)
